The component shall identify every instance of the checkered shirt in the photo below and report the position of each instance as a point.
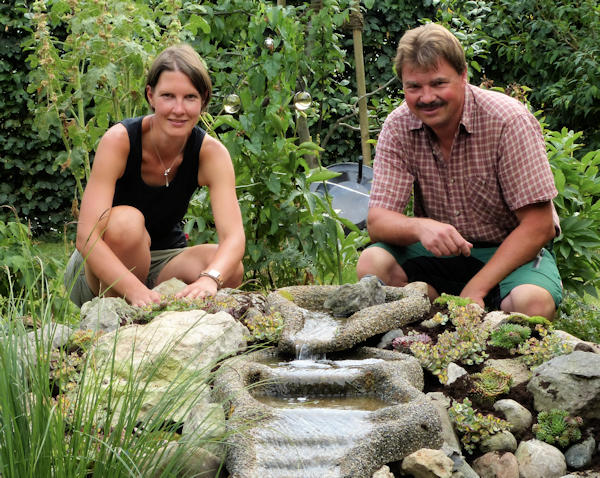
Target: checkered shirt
(498, 164)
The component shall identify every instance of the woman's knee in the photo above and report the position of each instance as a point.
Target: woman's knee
(126, 227)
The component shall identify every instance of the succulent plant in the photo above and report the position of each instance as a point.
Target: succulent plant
(265, 327)
(556, 427)
(537, 351)
(466, 344)
(509, 335)
(402, 344)
(489, 384)
(473, 427)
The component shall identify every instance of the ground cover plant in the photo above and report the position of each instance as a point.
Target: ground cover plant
(463, 340)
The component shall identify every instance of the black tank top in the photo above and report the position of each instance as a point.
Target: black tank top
(163, 207)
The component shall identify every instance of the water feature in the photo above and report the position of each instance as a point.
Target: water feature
(334, 410)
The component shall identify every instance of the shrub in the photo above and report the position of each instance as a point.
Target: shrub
(579, 316)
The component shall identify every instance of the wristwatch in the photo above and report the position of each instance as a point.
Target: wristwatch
(214, 275)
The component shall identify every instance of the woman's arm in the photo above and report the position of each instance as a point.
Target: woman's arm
(216, 171)
(103, 267)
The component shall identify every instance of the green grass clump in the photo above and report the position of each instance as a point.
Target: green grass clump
(63, 413)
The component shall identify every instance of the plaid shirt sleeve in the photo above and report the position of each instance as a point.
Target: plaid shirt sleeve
(392, 182)
(524, 171)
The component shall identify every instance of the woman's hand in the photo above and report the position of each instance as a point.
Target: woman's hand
(202, 287)
(141, 297)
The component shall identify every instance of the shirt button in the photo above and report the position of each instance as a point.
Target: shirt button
(452, 180)
(457, 213)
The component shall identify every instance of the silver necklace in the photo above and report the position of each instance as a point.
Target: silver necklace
(167, 170)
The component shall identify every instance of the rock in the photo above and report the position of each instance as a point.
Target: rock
(455, 372)
(569, 382)
(427, 463)
(169, 287)
(383, 472)
(206, 422)
(501, 441)
(497, 465)
(350, 298)
(175, 348)
(494, 319)
(387, 339)
(519, 372)
(539, 460)
(580, 455)
(441, 404)
(55, 335)
(516, 414)
(191, 461)
(461, 468)
(106, 314)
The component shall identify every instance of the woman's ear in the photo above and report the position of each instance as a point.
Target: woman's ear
(150, 96)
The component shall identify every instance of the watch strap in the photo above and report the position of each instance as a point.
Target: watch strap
(214, 276)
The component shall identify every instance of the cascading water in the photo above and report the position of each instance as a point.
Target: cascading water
(318, 420)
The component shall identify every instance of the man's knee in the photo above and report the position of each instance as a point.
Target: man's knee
(379, 262)
(531, 300)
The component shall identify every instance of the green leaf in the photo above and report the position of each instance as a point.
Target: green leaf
(321, 174)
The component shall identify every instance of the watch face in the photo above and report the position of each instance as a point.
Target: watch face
(214, 273)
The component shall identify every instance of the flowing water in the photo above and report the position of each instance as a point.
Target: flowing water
(366, 403)
(308, 442)
(318, 328)
(317, 421)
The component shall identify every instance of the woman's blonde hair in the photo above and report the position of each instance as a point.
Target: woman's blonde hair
(182, 58)
(425, 45)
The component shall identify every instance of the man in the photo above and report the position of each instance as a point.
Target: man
(483, 187)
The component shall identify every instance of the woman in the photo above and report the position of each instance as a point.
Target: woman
(143, 176)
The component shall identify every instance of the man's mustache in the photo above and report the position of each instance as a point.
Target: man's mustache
(433, 104)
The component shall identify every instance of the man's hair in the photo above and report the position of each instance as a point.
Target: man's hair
(182, 58)
(425, 45)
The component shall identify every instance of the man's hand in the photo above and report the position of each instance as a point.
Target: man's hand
(473, 292)
(442, 239)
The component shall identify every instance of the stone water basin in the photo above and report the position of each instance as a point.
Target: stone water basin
(342, 417)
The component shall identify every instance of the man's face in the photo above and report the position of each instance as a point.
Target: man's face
(436, 96)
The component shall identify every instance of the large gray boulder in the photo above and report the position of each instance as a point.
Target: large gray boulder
(570, 382)
(170, 357)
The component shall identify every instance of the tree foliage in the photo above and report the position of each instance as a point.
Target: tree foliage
(88, 59)
(29, 180)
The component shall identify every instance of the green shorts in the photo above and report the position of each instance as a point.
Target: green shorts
(450, 274)
(79, 289)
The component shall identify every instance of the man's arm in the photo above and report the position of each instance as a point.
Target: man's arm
(535, 229)
(395, 228)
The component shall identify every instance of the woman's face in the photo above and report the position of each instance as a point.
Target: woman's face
(176, 102)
